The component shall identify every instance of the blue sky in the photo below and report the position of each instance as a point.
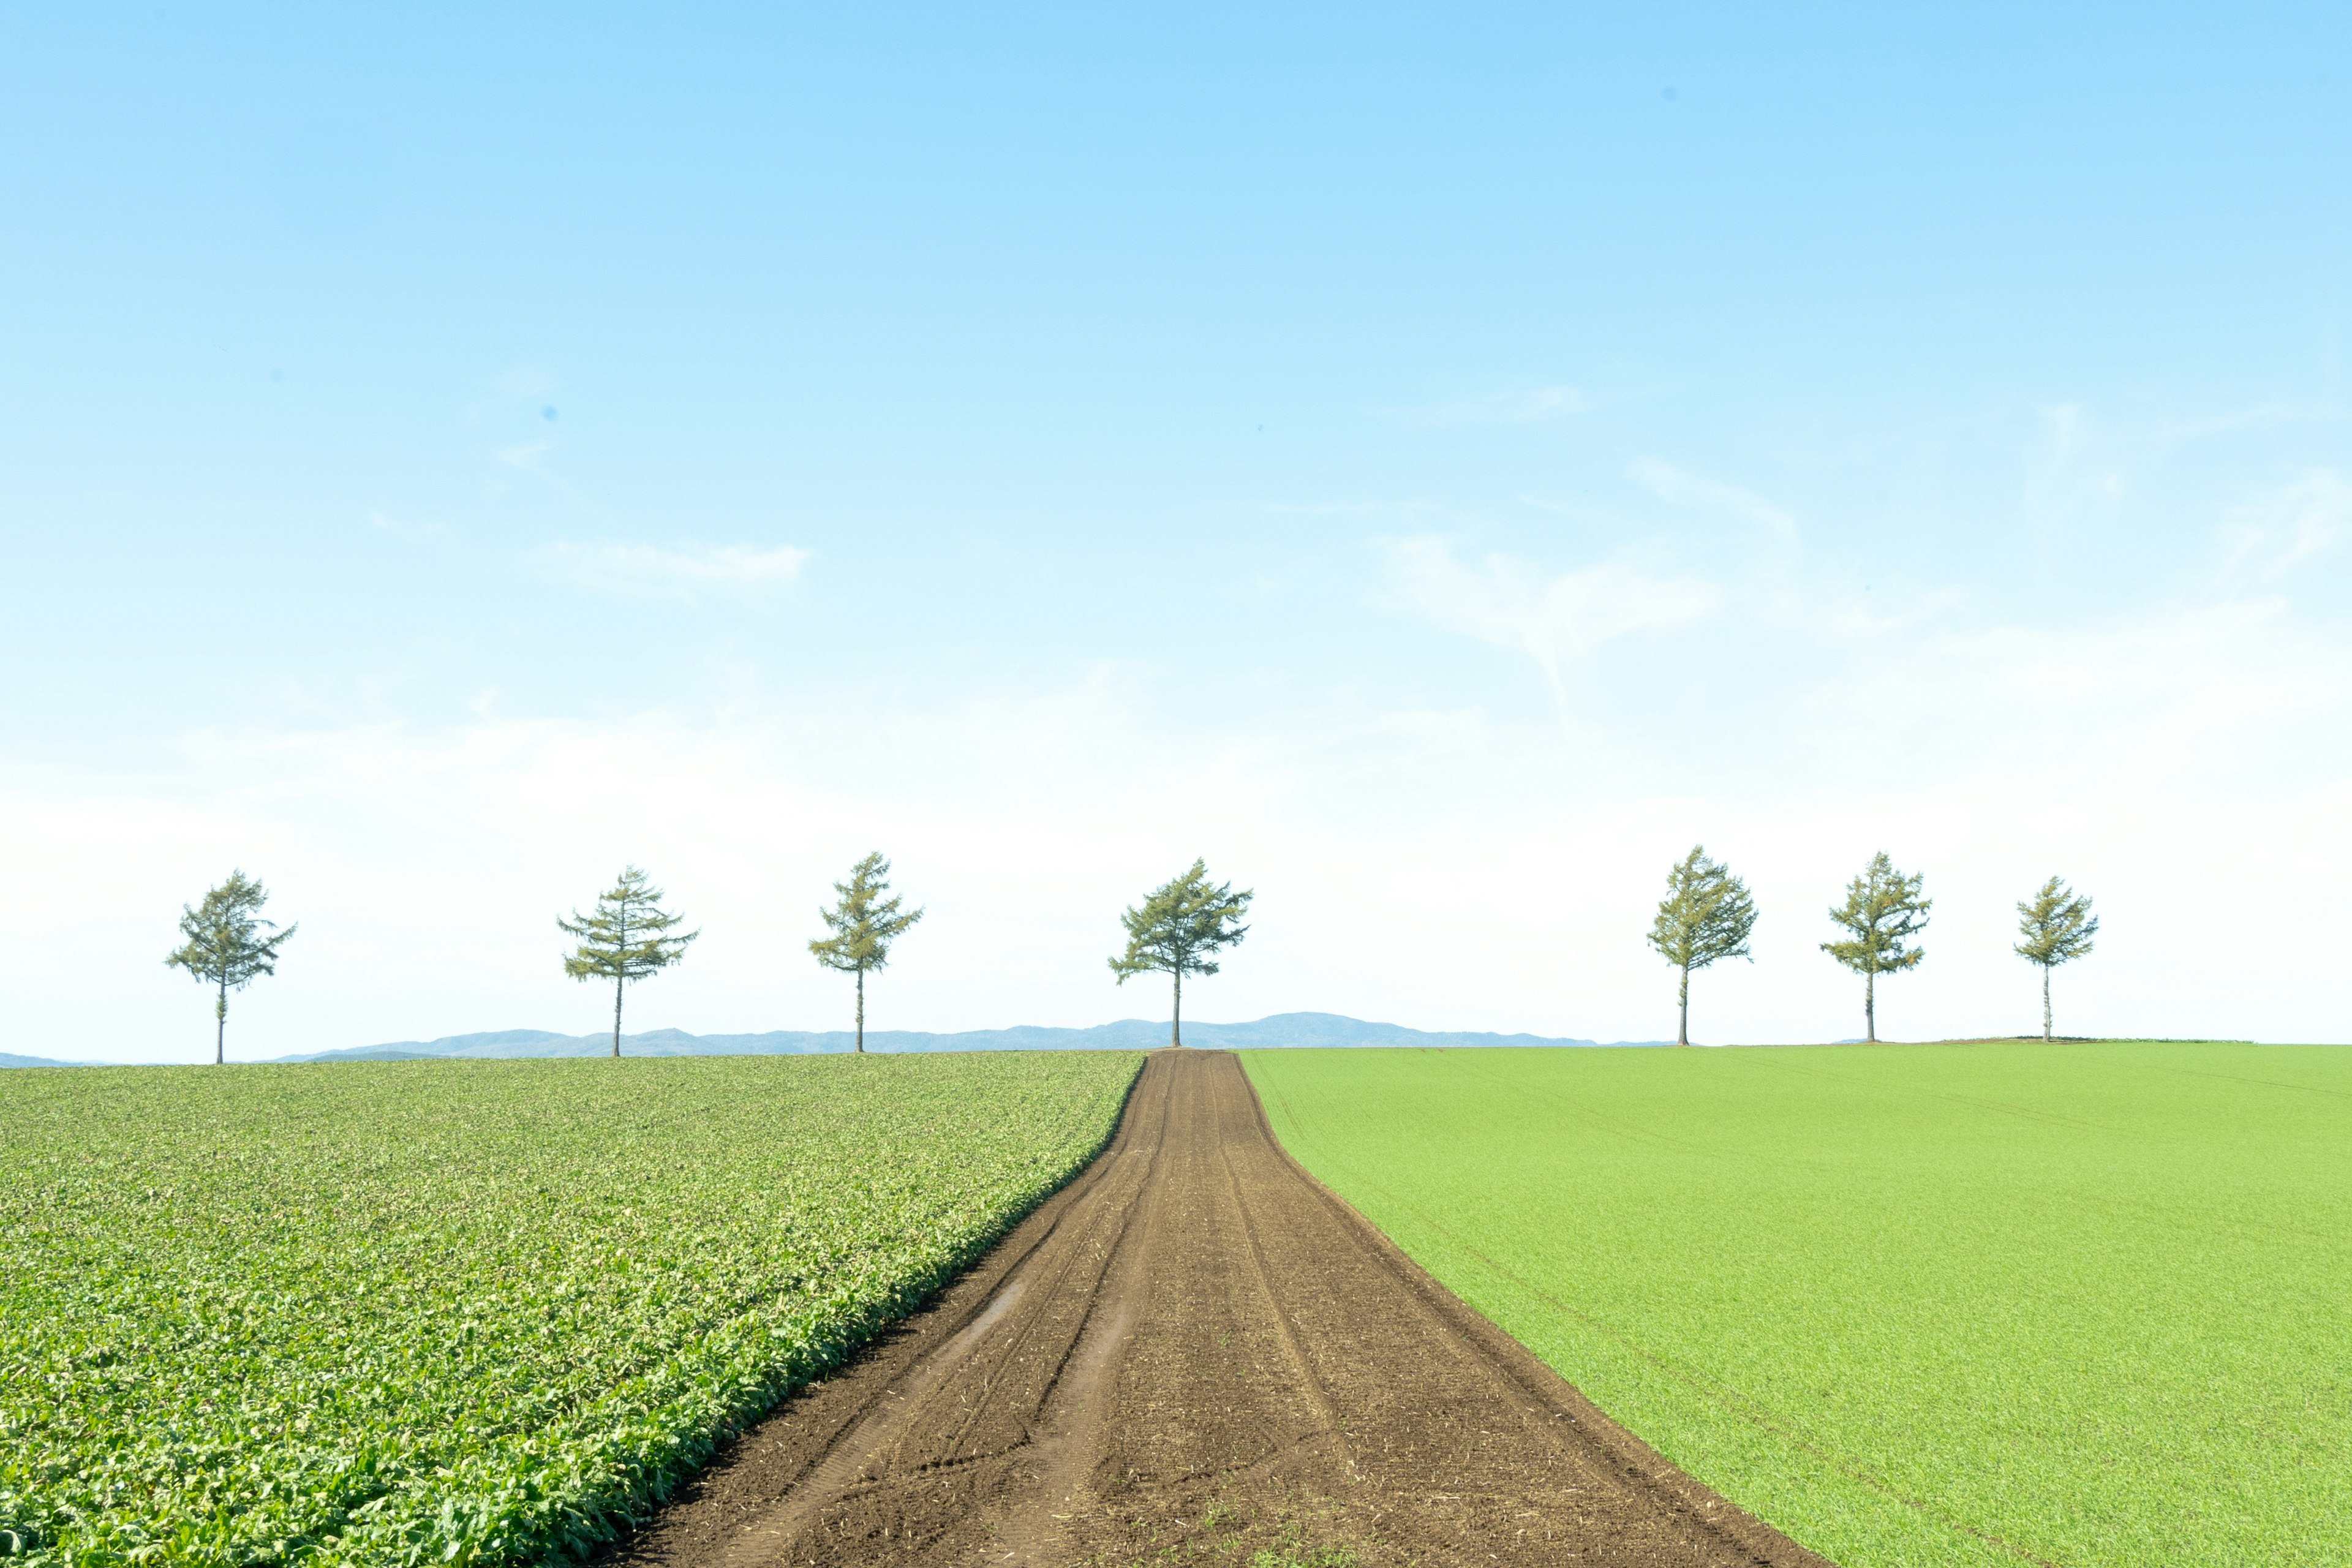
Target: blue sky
(1436, 464)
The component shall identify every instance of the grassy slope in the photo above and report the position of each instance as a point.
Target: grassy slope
(1938, 1304)
(432, 1312)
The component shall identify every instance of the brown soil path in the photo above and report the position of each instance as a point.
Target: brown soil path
(1195, 1354)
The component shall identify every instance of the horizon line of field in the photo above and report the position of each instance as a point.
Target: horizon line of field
(881, 1044)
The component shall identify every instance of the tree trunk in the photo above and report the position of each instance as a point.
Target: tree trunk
(2046, 1004)
(1870, 1008)
(620, 940)
(220, 1025)
(1682, 1030)
(1176, 1022)
(861, 1011)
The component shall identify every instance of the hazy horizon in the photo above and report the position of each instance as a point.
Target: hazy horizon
(1304, 1030)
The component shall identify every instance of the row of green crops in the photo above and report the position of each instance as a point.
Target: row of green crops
(460, 1312)
(2072, 1304)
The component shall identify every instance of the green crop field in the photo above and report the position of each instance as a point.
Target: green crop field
(1917, 1305)
(455, 1312)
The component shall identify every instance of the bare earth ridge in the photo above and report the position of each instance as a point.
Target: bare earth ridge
(1196, 1353)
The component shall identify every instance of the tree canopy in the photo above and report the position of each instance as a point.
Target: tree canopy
(1707, 915)
(863, 924)
(1884, 910)
(228, 945)
(1178, 930)
(625, 938)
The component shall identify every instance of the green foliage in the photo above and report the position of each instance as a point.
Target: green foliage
(1182, 926)
(1322, 1557)
(1706, 915)
(2056, 925)
(227, 947)
(863, 924)
(1179, 929)
(1883, 909)
(625, 938)
(2081, 1304)
(482, 1312)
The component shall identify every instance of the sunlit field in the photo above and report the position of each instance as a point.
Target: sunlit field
(460, 1311)
(1919, 1305)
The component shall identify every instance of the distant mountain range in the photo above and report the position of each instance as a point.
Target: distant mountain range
(1283, 1030)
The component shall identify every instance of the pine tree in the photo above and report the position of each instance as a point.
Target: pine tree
(1883, 908)
(626, 938)
(1177, 930)
(225, 946)
(1706, 915)
(864, 924)
(2057, 925)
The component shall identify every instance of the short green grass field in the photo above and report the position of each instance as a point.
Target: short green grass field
(2074, 1304)
(464, 1312)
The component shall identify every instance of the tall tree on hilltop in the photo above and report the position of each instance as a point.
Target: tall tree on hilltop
(864, 924)
(625, 937)
(226, 946)
(2056, 925)
(1178, 932)
(1883, 909)
(1706, 915)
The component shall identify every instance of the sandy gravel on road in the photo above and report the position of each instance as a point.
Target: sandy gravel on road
(1195, 1354)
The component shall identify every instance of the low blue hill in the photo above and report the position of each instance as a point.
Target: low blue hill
(10, 1060)
(1283, 1031)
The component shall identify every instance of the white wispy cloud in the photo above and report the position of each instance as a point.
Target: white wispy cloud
(2288, 525)
(665, 573)
(1555, 618)
(1676, 488)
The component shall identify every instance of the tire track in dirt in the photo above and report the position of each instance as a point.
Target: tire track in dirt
(1195, 1346)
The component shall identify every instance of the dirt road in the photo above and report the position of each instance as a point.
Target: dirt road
(1195, 1346)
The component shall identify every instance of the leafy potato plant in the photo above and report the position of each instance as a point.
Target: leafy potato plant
(440, 1312)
